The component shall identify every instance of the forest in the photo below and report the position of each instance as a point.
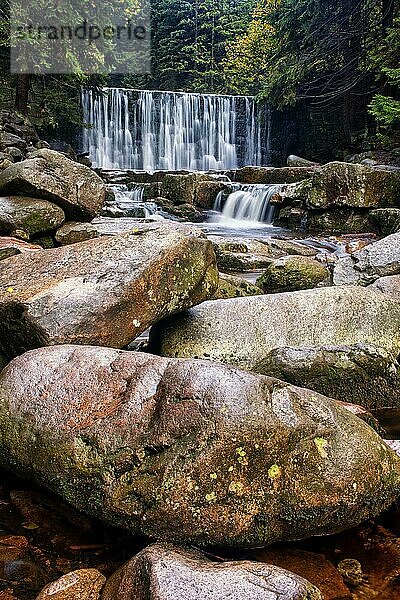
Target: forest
(337, 60)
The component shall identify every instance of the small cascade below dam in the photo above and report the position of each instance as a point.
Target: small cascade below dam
(156, 130)
(250, 203)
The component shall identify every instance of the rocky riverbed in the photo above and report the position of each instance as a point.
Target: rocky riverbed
(238, 454)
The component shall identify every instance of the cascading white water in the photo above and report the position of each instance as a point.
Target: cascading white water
(169, 130)
(248, 203)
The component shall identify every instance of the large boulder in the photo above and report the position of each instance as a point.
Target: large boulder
(164, 572)
(29, 214)
(73, 232)
(52, 176)
(291, 273)
(103, 291)
(379, 259)
(353, 185)
(190, 451)
(367, 375)
(242, 331)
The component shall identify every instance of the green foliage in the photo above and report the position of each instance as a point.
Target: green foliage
(384, 59)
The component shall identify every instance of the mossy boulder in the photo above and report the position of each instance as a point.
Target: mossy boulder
(50, 175)
(291, 273)
(103, 291)
(181, 188)
(353, 185)
(230, 286)
(386, 220)
(366, 374)
(190, 451)
(163, 572)
(242, 331)
(29, 214)
(338, 220)
(207, 192)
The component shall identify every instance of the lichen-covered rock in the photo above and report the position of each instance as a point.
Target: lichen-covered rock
(379, 259)
(29, 214)
(387, 220)
(164, 572)
(291, 273)
(367, 375)
(230, 286)
(207, 192)
(52, 176)
(388, 285)
(190, 451)
(242, 331)
(353, 185)
(84, 584)
(103, 291)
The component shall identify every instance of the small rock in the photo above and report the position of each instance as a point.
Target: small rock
(84, 584)
(163, 572)
(230, 286)
(351, 571)
(297, 161)
(10, 246)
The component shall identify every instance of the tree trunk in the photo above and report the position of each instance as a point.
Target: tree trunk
(22, 93)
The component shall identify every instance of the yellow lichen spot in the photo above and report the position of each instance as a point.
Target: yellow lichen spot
(321, 444)
(211, 497)
(241, 451)
(274, 472)
(213, 476)
(223, 409)
(10, 290)
(256, 446)
(236, 487)
(230, 469)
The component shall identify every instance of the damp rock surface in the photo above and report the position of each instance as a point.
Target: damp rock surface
(190, 451)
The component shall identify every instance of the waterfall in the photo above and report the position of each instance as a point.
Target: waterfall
(130, 129)
(248, 203)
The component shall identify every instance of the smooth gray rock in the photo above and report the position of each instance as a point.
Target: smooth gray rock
(104, 291)
(379, 259)
(190, 451)
(298, 161)
(52, 176)
(242, 331)
(163, 572)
